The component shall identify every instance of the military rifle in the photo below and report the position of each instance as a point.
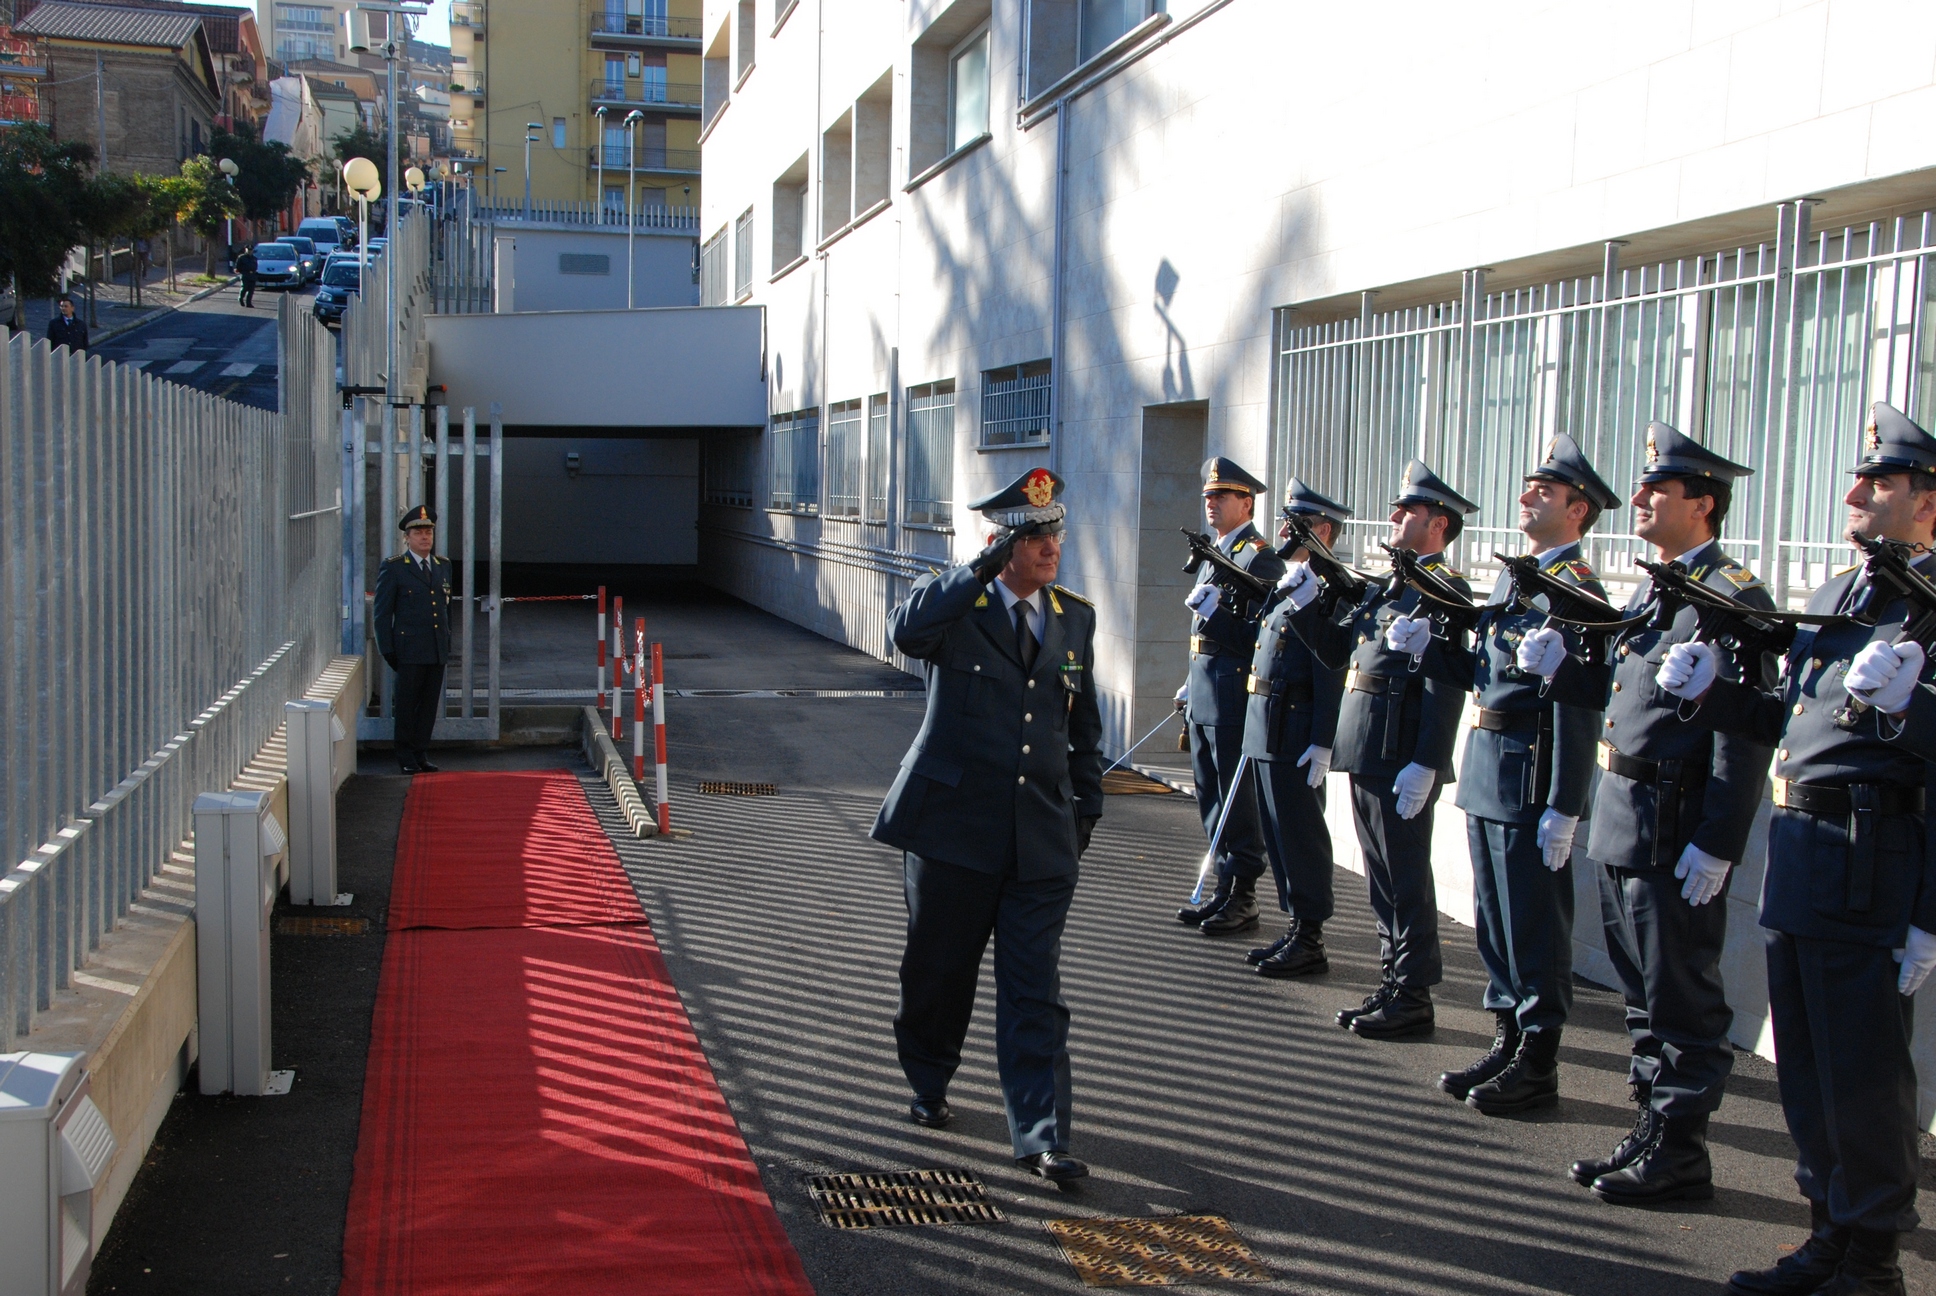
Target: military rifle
(1593, 618)
(1444, 603)
(1224, 573)
(1892, 575)
(1737, 627)
(1341, 583)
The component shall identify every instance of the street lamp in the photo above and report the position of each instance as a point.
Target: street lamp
(632, 120)
(229, 172)
(529, 140)
(599, 191)
(361, 179)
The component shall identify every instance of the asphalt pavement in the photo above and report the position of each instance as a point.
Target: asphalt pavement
(215, 345)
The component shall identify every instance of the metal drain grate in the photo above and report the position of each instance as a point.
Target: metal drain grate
(1156, 1252)
(302, 925)
(900, 1198)
(739, 789)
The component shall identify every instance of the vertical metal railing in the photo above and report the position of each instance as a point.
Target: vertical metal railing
(168, 579)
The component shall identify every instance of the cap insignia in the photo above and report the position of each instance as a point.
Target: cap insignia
(1653, 451)
(1552, 450)
(1872, 436)
(1039, 487)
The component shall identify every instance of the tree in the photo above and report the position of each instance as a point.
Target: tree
(42, 182)
(270, 174)
(109, 207)
(210, 201)
(361, 141)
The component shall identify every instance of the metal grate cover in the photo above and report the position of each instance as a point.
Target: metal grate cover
(738, 789)
(900, 1198)
(1156, 1252)
(303, 925)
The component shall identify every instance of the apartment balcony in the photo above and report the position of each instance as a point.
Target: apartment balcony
(655, 219)
(476, 92)
(667, 161)
(467, 15)
(636, 31)
(672, 97)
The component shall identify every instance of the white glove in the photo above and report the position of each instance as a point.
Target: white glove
(1319, 759)
(1299, 583)
(1704, 873)
(1409, 635)
(1413, 785)
(1918, 957)
(1884, 675)
(1182, 697)
(1688, 670)
(1202, 600)
(1542, 652)
(1555, 837)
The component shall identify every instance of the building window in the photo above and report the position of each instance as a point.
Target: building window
(315, 18)
(713, 270)
(1063, 36)
(876, 459)
(837, 175)
(743, 42)
(968, 91)
(652, 83)
(931, 454)
(616, 145)
(790, 215)
(844, 422)
(614, 76)
(795, 462)
(728, 468)
(632, 65)
(557, 132)
(743, 256)
(873, 164)
(1104, 21)
(1015, 404)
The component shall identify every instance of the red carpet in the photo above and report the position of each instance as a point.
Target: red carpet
(537, 1113)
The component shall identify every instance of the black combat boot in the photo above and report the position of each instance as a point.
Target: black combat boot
(1646, 1128)
(1675, 1168)
(1193, 915)
(1373, 1002)
(1263, 952)
(1303, 956)
(1531, 1080)
(1868, 1268)
(1239, 912)
(1407, 1012)
(1802, 1272)
(1505, 1043)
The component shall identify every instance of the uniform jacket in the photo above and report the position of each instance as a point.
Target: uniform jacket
(1006, 761)
(1866, 877)
(70, 333)
(1294, 697)
(1221, 645)
(1415, 716)
(412, 610)
(1546, 757)
(245, 265)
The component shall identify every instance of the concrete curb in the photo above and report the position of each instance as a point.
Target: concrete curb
(604, 756)
(107, 335)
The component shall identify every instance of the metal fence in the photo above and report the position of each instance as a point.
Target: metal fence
(462, 263)
(168, 578)
(654, 216)
(1768, 353)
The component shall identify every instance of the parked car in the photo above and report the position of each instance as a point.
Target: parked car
(278, 265)
(331, 233)
(312, 258)
(339, 285)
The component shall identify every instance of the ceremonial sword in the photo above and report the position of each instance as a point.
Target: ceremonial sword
(1210, 856)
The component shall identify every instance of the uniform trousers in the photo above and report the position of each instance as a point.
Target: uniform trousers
(419, 701)
(1525, 921)
(952, 911)
(1667, 954)
(1215, 751)
(247, 296)
(1848, 1087)
(1297, 837)
(1398, 871)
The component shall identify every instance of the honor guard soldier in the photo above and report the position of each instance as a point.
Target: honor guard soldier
(994, 804)
(1396, 728)
(412, 616)
(1670, 820)
(1223, 635)
(1523, 785)
(1850, 887)
(1288, 733)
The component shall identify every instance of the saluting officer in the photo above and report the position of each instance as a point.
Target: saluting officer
(1670, 820)
(1523, 786)
(412, 617)
(1294, 701)
(994, 804)
(1850, 887)
(1396, 727)
(1222, 637)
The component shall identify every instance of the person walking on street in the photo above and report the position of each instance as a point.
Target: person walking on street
(245, 266)
(412, 616)
(66, 328)
(993, 807)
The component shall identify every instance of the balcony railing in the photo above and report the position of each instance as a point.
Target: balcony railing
(678, 94)
(474, 91)
(618, 24)
(649, 159)
(467, 15)
(679, 220)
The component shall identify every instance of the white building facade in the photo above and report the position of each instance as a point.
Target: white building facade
(1118, 236)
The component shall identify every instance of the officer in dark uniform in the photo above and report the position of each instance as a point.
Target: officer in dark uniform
(1523, 786)
(1396, 728)
(1670, 819)
(412, 618)
(1222, 637)
(1288, 733)
(994, 804)
(1850, 887)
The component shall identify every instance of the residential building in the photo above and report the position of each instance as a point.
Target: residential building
(233, 43)
(140, 85)
(310, 30)
(23, 69)
(1115, 237)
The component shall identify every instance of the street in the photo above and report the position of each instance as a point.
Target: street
(213, 345)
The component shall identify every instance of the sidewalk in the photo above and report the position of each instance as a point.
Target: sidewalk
(111, 310)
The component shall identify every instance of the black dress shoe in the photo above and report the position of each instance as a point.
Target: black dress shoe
(1802, 1272)
(931, 1112)
(425, 767)
(1263, 952)
(1533, 1079)
(1056, 1167)
(1373, 1002)
(1407, 1012)
(1505, 1043)
(1646, 1128)
(407, 769)
(1870, 1267)
(1302, 956)
(1193, 915)
(1675, 1168)
(1239, 912)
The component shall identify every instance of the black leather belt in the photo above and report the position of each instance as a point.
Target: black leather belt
(1646, 771)
(1838, 802)
(1505, 721)
(1292, 693)
(1364, 682)
(1204, 645)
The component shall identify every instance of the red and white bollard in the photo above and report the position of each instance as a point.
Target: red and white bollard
(658, 735)
(618, 665)
(638, 700)
(598, 679)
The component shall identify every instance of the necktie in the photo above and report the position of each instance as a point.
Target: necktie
(1024, 637)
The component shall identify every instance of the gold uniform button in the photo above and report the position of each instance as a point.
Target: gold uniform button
(1031, 683)
(1816, 663)
(1609, 724)
(1782, 754)
(1025, 749)
(1616, 686)
(1798, 708)
(1026, 717)
(1021, 778)
(977, 668)
(1623, 650)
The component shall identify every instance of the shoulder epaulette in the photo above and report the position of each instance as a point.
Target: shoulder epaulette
(1740, 576)
(1238, 547)
(1846, 570)
(983, 600)
(1440, 565)
(1581, 569)
(1066, 592)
